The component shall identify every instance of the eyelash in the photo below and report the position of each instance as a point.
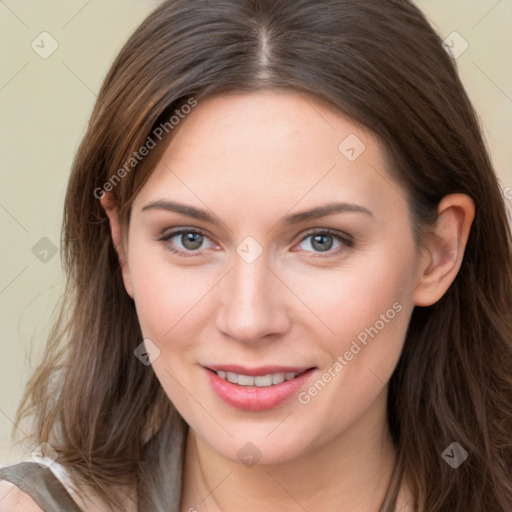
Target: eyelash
(343, 238)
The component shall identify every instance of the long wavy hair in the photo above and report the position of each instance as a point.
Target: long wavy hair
(380, 63)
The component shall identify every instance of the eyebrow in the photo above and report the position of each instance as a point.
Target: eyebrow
(295, 218)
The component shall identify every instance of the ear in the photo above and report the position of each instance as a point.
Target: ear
(444, 250)
(109, 204)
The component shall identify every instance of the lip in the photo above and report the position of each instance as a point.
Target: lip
(253, 398)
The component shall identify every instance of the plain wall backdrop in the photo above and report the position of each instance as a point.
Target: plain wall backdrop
(55, 56)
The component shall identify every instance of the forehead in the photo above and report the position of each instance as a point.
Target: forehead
(271, 149)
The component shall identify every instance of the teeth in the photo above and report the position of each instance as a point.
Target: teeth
(261, 381)
(232, 377)
(245, 380)
(277, 378)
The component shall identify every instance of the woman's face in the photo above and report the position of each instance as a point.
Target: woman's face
(258, 286)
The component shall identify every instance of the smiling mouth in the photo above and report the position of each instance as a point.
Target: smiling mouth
(261, 378)
(260, 381)
(266, 387)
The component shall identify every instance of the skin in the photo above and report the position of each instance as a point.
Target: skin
(250, 159)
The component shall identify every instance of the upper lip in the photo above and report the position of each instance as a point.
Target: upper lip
(257, 370)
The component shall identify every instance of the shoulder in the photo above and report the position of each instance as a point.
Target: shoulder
(28, 486)
(13, 499)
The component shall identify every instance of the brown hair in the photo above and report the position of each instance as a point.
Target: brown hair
(379, 62)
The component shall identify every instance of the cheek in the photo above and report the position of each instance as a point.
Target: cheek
(351, 297)
(373, 328)
(169, 303)
(168, 299)
(370, 321)
(380, 305)
(366, 307)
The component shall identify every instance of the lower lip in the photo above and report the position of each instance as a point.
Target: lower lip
(254, 398)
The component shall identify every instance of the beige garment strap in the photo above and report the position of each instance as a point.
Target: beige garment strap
(42, 485)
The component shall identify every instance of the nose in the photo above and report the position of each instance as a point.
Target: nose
(254, 302)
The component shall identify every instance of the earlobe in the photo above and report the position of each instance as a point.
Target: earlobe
(111, 209)
(444, 250)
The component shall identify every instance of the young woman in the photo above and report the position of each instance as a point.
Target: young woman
(289, 276)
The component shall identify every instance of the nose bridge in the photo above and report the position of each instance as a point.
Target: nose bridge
(252, 304)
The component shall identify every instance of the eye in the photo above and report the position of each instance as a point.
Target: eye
(188, 242)
(323, 242)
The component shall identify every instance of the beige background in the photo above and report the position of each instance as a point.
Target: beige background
(44, 107)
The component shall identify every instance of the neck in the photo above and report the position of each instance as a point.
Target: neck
(351, 472)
